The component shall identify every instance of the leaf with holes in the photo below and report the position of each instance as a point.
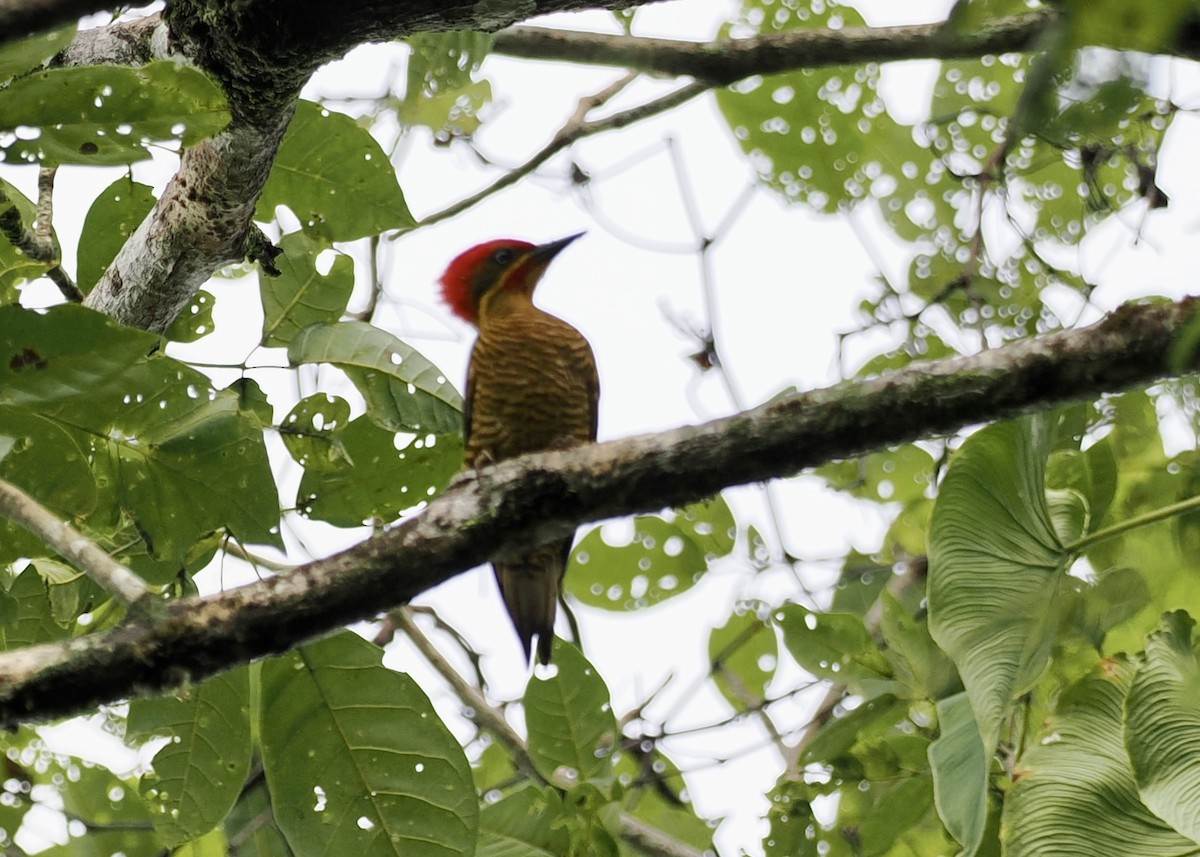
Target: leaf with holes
(743, 653)
(301, 295)
(569, 719)
(108, 115)
(333, 175)
(357, 760)
(833, 646)
(113, 217)
(200, 772)
(665, 556)
(404, 391)
(312, 432)
(375, 481)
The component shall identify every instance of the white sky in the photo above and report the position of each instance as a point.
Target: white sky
(786, 283)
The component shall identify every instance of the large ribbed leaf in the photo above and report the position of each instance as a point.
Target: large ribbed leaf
(404, 391)
(1075, 793)
(960, 773)
(569, 718)
(995, 561)
(200, 772)
(1163, 725)
(357, 760)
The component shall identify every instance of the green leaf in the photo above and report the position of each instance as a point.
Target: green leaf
(31, 51)
(16, 267)
(916, 660)
(199, 774)
(357, 760)
(743, 653)
(107, 115)
(312, 432)
(1117, 24)
(898, 475)
(334, 177)
(817, 136)
(300, 295)
(834, 646)
(375, 481)
(1074, 790)
(569, 719)
(995, 563)
(194, 321)
(959, 765)
(441, 91)
(1163, 726)
(180, 445)
(49, 461)
(67, 351)
(875, 717)
(404, 391)
(116, 820)
(665, 556)
(791, 819)
(26, 616)
(113, 217)
(251, 822)
(523, 824)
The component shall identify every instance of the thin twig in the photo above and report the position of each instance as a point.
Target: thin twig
(576, 129)
(71, 544)
(37, 242)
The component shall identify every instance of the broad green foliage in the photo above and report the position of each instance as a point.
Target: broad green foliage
(333, 176)
(442, 92)
(107, 115)
(356, 758)
(30, 52)
(404, 391)
(109, 223)
(200, 771)
(570, 721)
(1000, 664)
(666, 556)
(15, 266)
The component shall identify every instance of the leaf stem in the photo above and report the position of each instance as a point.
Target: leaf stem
(1152, 517)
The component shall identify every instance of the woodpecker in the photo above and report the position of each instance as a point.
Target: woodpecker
(531, 386)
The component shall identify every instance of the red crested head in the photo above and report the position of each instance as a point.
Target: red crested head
(505, 262)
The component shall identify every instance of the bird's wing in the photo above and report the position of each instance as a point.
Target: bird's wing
(469, 398)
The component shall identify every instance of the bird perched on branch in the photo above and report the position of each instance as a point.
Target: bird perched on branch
(531, 386)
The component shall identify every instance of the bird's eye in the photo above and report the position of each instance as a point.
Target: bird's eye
(503, 256)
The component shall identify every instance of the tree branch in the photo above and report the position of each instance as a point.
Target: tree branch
(537, 498)
(71, 544)
(725, 61)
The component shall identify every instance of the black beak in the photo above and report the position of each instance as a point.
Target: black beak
(546, 252)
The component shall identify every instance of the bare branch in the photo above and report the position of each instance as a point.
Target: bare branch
(71, 544)
(726, 61)
(575, 129)
(533, 499)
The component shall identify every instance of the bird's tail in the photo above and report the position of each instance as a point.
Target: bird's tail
(530, 585)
